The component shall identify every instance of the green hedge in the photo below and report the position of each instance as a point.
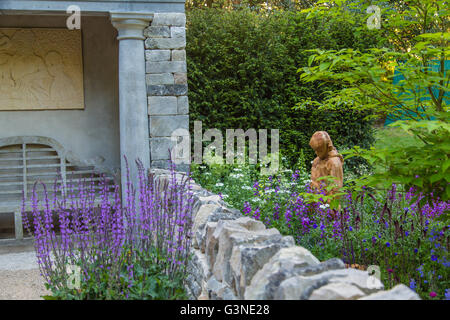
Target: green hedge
(243, 74)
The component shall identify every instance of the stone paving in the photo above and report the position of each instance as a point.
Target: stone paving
(19, 272)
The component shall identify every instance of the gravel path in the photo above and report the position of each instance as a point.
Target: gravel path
(19, 274)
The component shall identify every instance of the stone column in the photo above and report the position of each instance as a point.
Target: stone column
(166, 78)
(134, 131)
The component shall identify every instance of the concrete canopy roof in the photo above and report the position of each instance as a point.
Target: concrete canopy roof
(90, 7)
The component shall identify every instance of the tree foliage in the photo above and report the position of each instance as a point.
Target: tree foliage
(243, 74)
(418, 50)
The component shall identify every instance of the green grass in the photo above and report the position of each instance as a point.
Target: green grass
(392, 137)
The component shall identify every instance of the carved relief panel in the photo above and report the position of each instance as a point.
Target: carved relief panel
(40, 69)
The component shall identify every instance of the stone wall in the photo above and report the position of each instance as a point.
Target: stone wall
(236, 257)
(166, 79)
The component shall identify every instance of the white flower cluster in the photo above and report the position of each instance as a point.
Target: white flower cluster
(219, 184)
(237, 175)
(246, 188)
(324, 206)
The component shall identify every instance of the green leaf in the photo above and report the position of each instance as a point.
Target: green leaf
(445, 165)
(324, 65)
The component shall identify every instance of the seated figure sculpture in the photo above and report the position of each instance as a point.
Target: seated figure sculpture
(327, 163)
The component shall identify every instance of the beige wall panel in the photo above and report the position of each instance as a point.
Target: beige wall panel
(40, 69)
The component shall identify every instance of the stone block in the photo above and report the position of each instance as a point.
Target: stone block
(281, 266)
(337, 291)
(178, 55)
(210, 227)
(231, 233)
(183, 105)
(165, 43)
(165, 66)
(167, 90)
(162, 105)
(169, 19)
(164, 126)
(247, 259)
(163, 164)
(180, 78)
(198, 271)
(200, 221)
(159, 78)
(399, 292)
(159, 148)
(157, 55)
(301, 287)
(177, 32)
(157, 32)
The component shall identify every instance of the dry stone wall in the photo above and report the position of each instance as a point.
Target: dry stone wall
(236, 257)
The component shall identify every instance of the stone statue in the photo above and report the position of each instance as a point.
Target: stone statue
(328, 161)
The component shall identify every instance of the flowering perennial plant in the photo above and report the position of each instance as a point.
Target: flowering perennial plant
(131, 249)
(396, 229)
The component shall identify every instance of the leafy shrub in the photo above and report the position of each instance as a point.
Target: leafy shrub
(424, 165)
(243, 74)
(121, 251)
(407, 239)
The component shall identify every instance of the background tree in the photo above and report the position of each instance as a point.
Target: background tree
(418, 50)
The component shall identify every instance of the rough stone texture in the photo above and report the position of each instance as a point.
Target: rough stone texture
(197, 270)
(157, 55)
(229, 234)
(178, 32)
(178, 55)
(236, 257)
(157, 32)
(180, 78)
(167, 90)
(165, 66)
(247, 259)
(337, 291)
(162, 105)
(217, 290)
(399, 292)
(280, 267)
(159, 78)
(166, 77)
(298, 287)
(159, 147)
(22, 285)
(169, 19)
(309, 279)
(164, 126)
(331, 264)
(183, 105)
(199, 224)
(165, 43)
